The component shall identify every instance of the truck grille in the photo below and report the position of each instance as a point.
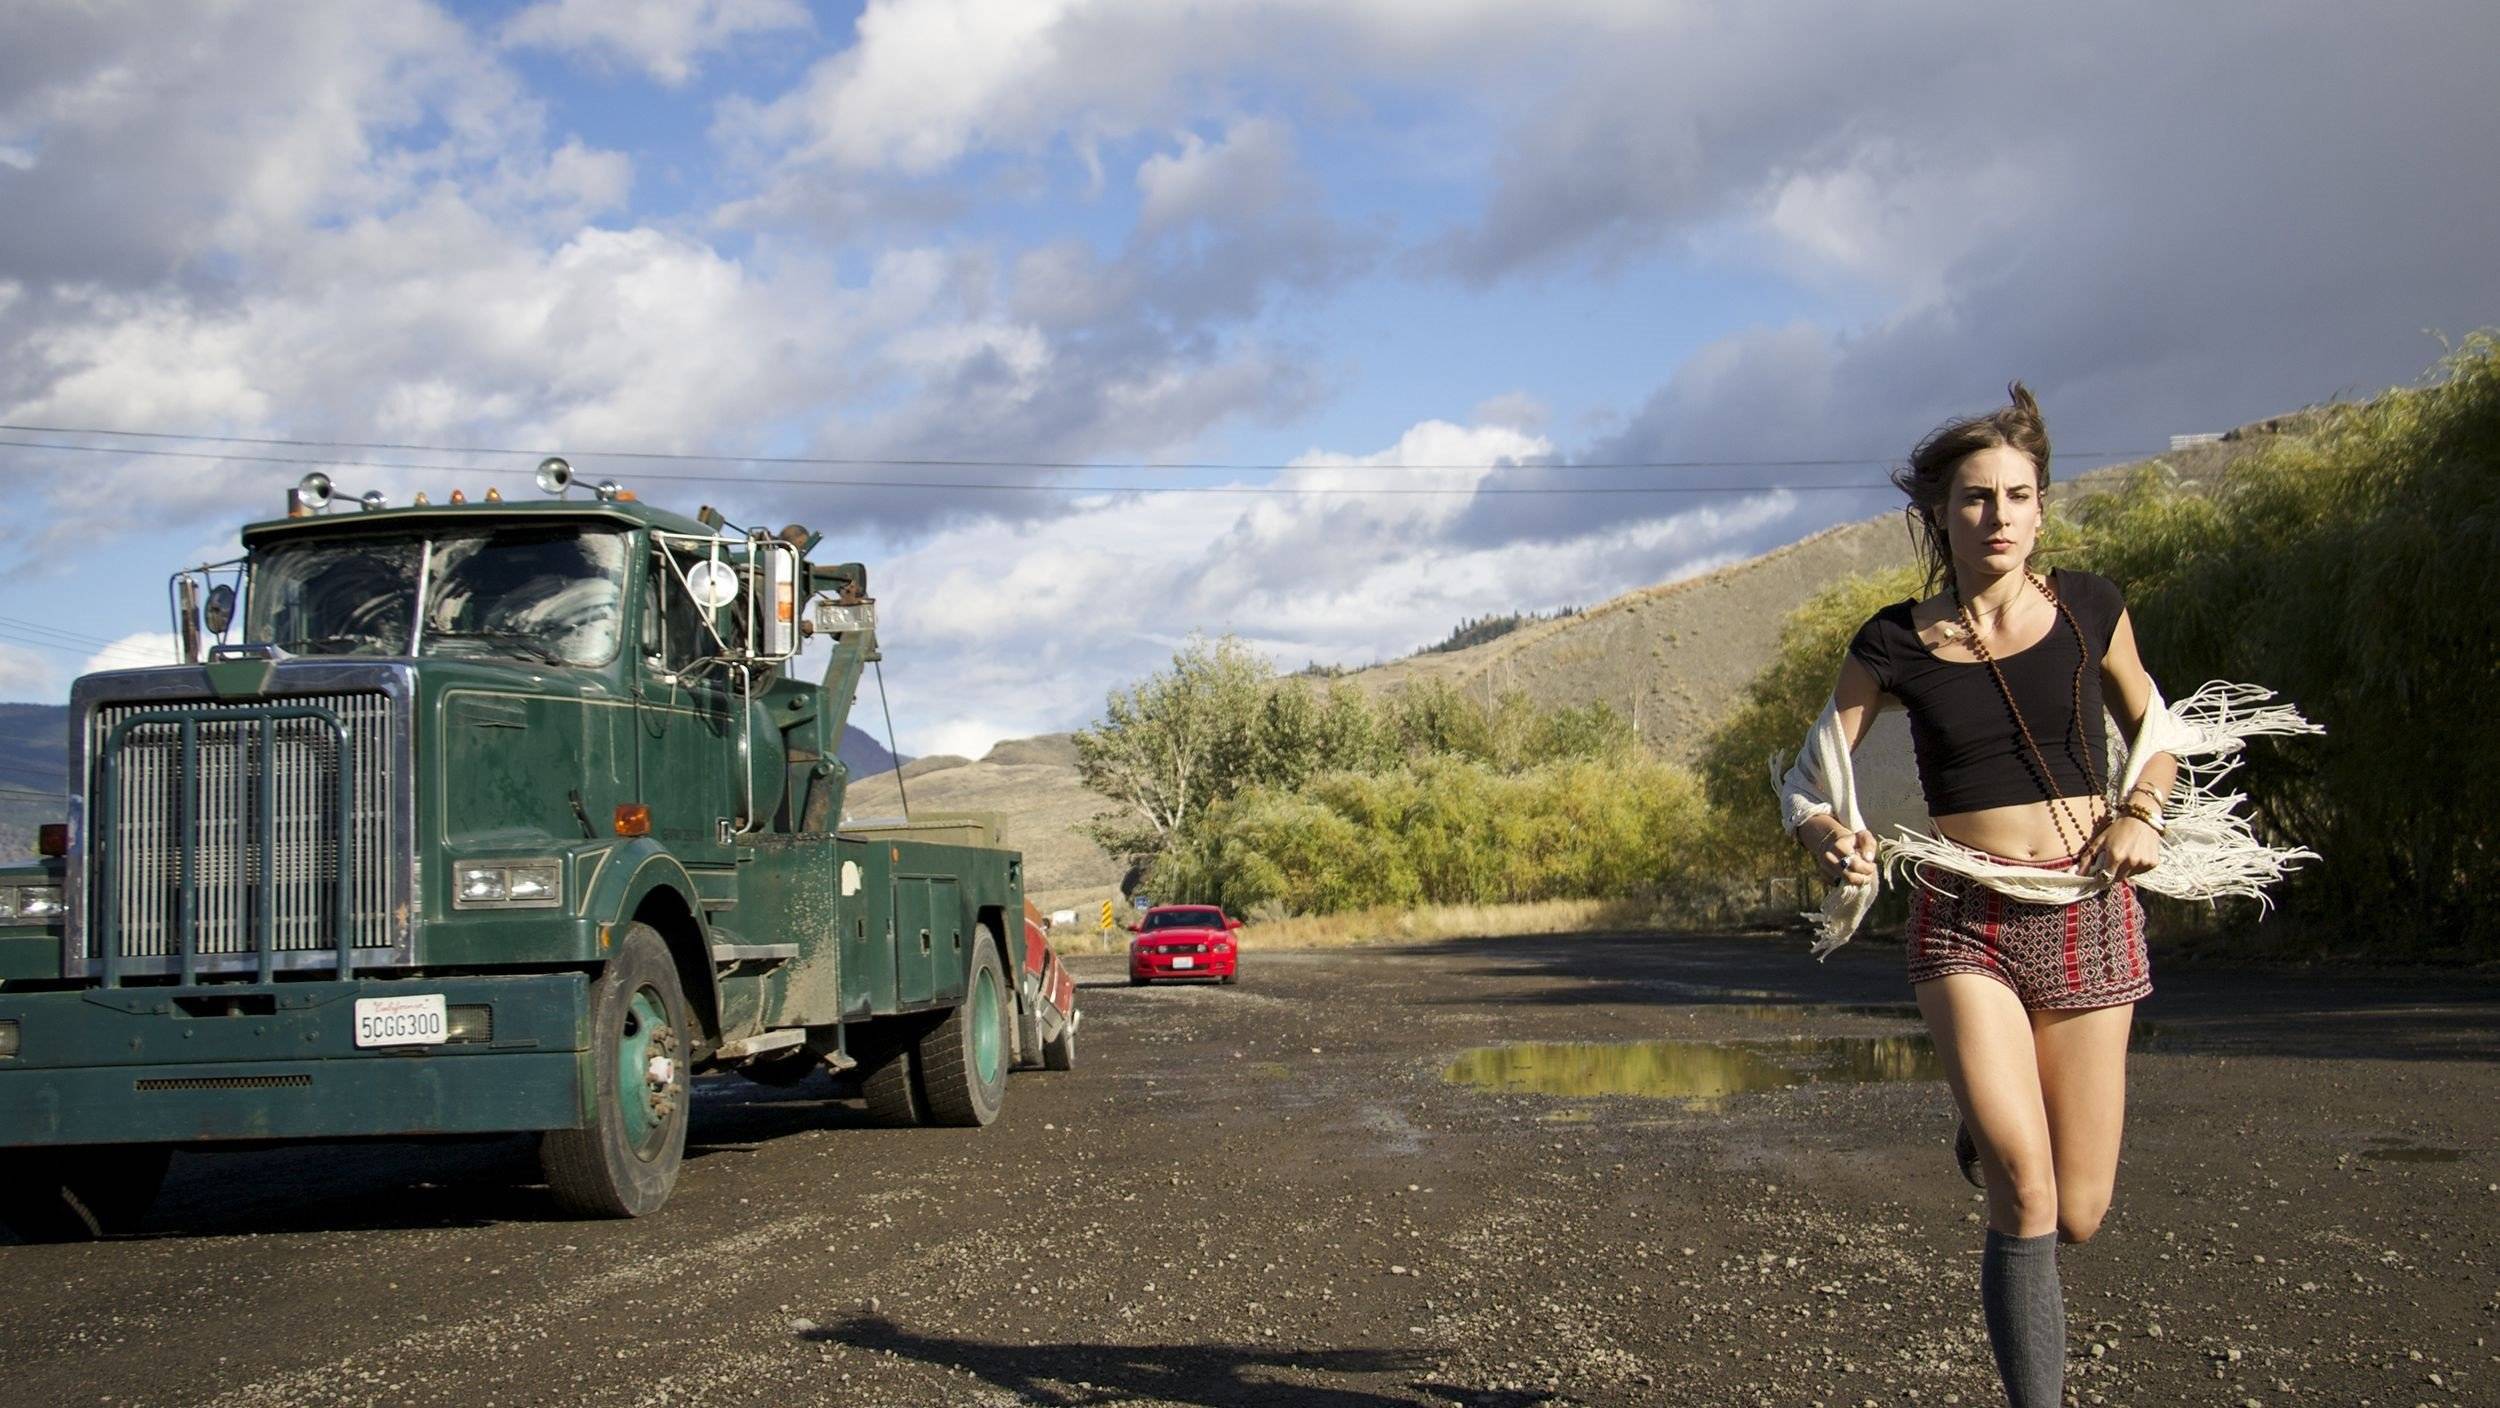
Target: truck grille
(311, 849)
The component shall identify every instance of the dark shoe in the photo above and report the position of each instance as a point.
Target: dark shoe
(1966, 1153)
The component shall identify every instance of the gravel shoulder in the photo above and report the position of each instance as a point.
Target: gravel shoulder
(1269, 1194)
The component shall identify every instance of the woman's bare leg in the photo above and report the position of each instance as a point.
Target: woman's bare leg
(2083, 1085)
(1990, 1057)
(1986, 1041)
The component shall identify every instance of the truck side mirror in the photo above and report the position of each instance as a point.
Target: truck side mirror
(220, 613)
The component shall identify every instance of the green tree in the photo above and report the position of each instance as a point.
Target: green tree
(1173, 743)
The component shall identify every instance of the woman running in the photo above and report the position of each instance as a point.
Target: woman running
(2005, 671)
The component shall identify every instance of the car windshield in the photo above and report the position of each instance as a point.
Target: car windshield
(548, 594)
(1185, 919)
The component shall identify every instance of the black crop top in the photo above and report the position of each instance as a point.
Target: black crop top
(1970, 755)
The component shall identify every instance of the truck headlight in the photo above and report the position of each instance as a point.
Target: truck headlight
(30, 903)
(527, 884)
(9, 1040)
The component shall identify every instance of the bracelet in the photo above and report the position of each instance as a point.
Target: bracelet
(2146, 815)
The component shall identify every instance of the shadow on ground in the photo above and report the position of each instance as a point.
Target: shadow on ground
(1209, 1375)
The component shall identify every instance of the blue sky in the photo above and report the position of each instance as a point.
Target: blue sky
(1351, 238)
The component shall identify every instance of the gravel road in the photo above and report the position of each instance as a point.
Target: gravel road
(1269, 1194)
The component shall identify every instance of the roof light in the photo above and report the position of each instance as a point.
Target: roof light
(493, 494)
(610, 491)
(459, 497)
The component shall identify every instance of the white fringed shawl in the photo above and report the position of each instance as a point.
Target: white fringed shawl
(2207, 853)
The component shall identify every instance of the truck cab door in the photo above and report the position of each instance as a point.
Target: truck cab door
(689, 727)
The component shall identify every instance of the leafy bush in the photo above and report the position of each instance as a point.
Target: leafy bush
(1445, 829)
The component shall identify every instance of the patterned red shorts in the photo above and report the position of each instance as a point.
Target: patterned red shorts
(2054, 956)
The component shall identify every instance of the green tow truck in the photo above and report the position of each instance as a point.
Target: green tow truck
(490, 817)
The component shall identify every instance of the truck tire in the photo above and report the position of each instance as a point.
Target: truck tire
(963, 1059)
(79, 1193)
(1059, 1052)
(625, 1161)
(892, 1089)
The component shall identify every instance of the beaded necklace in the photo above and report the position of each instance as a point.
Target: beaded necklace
(2076, 752)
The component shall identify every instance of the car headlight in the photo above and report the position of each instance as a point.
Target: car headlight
(522, 884)
(30, 903)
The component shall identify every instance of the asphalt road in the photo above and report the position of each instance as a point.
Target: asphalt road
(1271, 1195)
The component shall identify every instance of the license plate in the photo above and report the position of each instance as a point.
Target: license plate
(1184, 963)
(401, 1021)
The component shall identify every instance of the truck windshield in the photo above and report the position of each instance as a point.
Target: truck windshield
(550, 594)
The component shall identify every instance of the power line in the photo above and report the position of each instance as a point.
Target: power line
(1283, 490)
(936, 462)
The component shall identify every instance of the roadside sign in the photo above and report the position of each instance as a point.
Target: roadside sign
(1106, 916)
(1141, 902)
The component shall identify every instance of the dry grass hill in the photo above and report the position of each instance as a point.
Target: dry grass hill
(1671, 657)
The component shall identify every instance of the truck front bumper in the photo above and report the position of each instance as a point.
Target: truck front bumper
(280, 1061)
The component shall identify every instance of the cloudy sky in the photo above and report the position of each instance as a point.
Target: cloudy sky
(1090, 323)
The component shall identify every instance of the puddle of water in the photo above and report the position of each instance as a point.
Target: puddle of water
(1699, 1072)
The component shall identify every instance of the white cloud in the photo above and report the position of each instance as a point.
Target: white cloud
(136, 651)
(930, 81)
(665, 38)
(1250, 172)
(27, 674)
(995, 630)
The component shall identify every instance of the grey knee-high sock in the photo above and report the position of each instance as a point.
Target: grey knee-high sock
(2026, 1311)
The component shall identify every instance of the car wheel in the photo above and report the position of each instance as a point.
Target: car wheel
(625, 1161)
(79, 1193)
(1232, 977)
(963, 1059)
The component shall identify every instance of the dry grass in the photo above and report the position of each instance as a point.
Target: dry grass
(1389, 924)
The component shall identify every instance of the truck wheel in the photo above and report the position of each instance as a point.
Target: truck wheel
(624, 1163)
(963, 1059)
(1059, 1052)
(892, 1089)
(79, 1193)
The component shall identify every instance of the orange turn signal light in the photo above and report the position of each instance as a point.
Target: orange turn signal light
(52, 839)
(633, 819)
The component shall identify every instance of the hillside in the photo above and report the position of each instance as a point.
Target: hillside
(1029, 786)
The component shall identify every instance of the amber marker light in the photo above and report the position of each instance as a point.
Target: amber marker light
(633, 819)
(52, 839)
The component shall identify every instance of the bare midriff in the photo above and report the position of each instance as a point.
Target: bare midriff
(2024, 831)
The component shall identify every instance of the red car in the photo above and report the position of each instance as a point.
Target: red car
(1184, 941)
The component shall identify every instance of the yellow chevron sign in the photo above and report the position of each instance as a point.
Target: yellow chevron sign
(1106, 916)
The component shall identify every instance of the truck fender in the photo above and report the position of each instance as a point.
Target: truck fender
(643, 881)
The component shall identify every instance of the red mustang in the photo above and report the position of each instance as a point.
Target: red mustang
(1184, 941)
